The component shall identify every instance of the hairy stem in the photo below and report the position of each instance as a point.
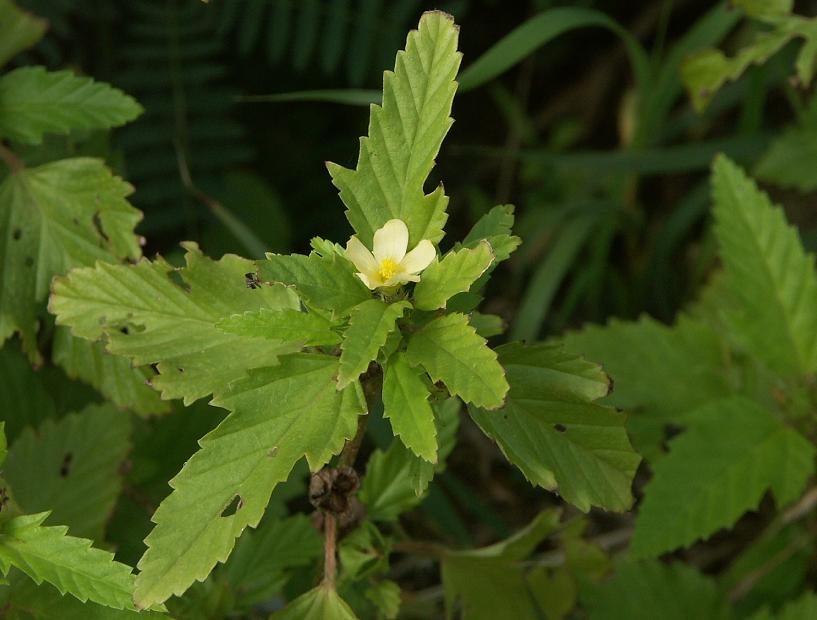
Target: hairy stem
(330, 562)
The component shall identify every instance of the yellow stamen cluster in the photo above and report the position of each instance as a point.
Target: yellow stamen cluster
(387, 269)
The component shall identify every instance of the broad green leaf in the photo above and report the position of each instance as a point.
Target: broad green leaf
(369, 327)
(550, 429)
(309, 328)
(261, 556)
(404, 137)
(321, 603)
(768, 272)
(153, 313)
(405, 404)
(28, 600)
(69, 564)
(111, 375)
(803, 608)
(279, 415)
(61, 215)
(455, 273)
(650, 590)
(486, 588)
(20, 385)
(653, 366)
(716, 471)
(324, 282)
(451, 351)
(71, 467)
(19, 30)
(34, 101)
(488, 581)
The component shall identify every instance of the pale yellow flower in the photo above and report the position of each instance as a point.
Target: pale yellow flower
(388, 265)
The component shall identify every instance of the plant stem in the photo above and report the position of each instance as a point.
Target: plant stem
(10, 159)
(330, 562)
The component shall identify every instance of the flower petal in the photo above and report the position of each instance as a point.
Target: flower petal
(359, 255)
(365, 279)
(391, 241)
(419, 258)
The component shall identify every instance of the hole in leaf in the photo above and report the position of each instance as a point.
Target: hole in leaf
(177, 279)
(16, 234)
(559, 428)
(98, 225)
(252, 280)
(233, 507)
(65, 468)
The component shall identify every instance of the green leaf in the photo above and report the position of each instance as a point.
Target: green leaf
(20, 385)
(769, 583)
(153, 313)
(261, 556)
(19, 30)
(803, 608)
(455, 273)
(768, 273)
(539, 30)
(404, 137)
(653, 366)
(487, 325)
(28, 600)
(309, 328)
(69, 564)
(34, 101)
(324, 282)
(765, 9)
(487, 588)
(489, 581)
(495, 227)
(55, 217)
(369, 327)
(388, 489)
(405, 404)
(385, 595)
(717, 470)
(111, 375)
(451, 351)
(705, 72)
(649, 590)
(790, 159)
(321, 603)
(523, 542)
(279, 415)
(3, 443)
(72, 467)
(551, 430)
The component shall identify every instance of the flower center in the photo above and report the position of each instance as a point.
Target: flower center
(387, 269)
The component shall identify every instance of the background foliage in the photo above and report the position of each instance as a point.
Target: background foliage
(600, 122)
